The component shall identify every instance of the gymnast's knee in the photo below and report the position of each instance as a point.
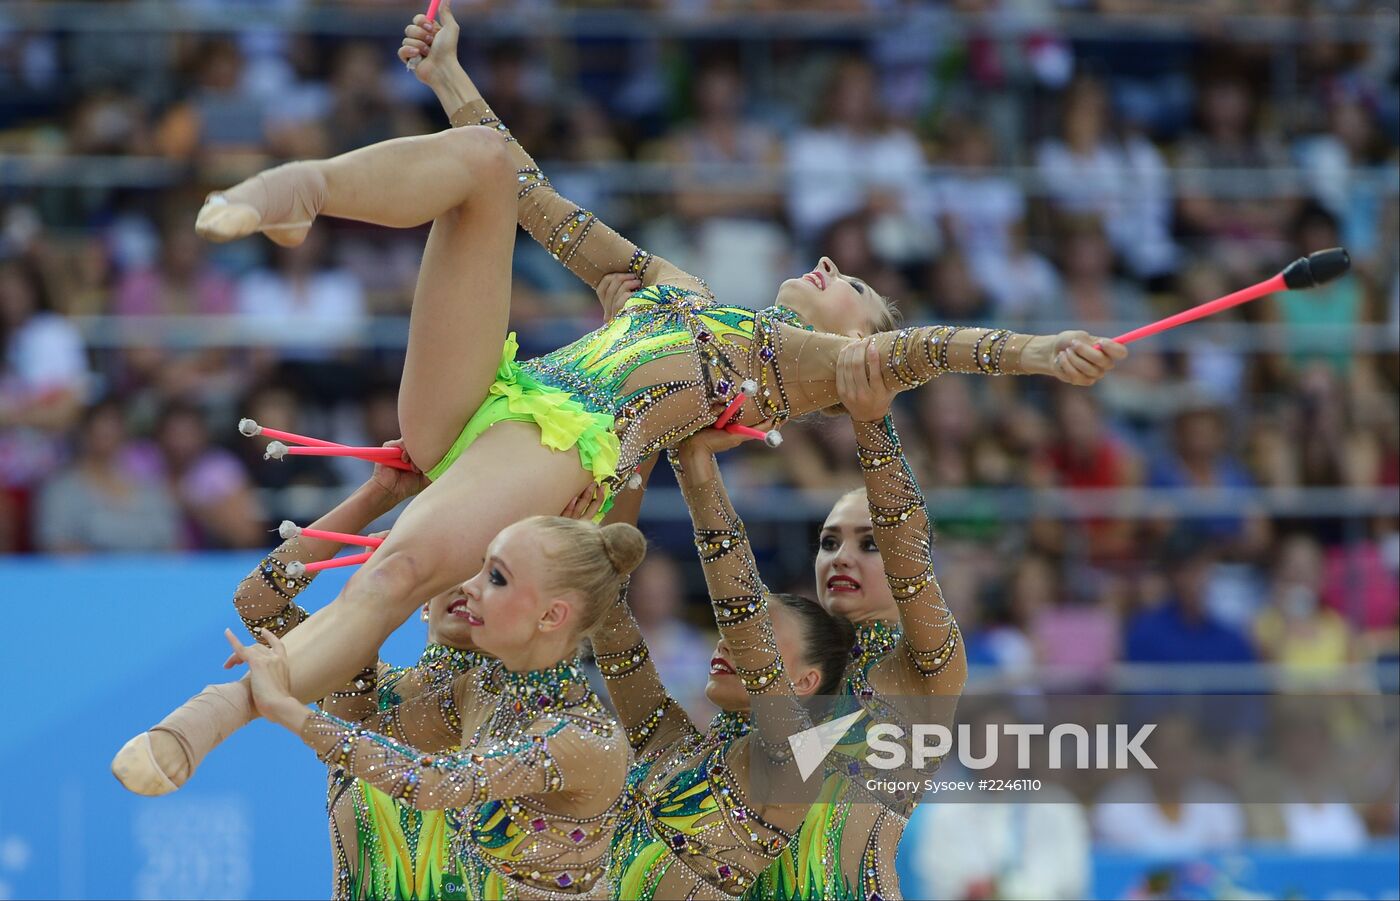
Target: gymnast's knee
(484, 153)
(389, 581)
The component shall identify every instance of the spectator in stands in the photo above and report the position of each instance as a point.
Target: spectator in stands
(361, 112)
(977, 204)
(850, 159)
(1085, 454)
(1093, 297)
(43, 384)
(1123, 182)
(1237, 230)
(215, 495)
(1174, 810)
(1202, 459)
(1295, 631)
(219, 115)
(1023, 285)
(101, 502)
(1182, 629)
(1339, 164)
(1322, 324)
(1214, 365)
(680, 651)
(954, 294)
(316, 307)
(731, 217)
(178, 283)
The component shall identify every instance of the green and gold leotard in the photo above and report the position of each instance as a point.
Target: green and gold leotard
(535, 789)
(845, 848)
(379, 849)
(671, 357)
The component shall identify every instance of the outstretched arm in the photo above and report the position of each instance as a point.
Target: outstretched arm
(650, 715)
(737, 594)
(933, 661)
(573, 235)
(553, 755)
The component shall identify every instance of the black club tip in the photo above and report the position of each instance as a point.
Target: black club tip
(1316, 268)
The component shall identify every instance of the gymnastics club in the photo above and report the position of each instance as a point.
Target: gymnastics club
(747, 389)
(1315, 269)
(296, 569)
(289, 529)
(249, 428)
(430, 16)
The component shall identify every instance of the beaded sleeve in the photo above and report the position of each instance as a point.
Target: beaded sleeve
(915, 355)
(740, 603)
(429, 720)
(931, 642)
(572, 235)
(266, 598)
(647, 711)
(551, 755)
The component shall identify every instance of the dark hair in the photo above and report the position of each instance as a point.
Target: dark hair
(827, 639)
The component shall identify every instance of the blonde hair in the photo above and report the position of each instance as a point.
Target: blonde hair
(592, 561)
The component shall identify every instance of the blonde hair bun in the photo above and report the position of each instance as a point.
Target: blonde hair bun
(624, 545)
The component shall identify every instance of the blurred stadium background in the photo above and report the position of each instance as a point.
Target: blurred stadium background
(1218, 516)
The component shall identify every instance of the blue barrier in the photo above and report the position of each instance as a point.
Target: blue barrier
(98, 649)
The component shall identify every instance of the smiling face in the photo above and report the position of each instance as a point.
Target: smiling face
(850, 571)
(725, 690)
(446, 615)
(511, 613)
(832, 302)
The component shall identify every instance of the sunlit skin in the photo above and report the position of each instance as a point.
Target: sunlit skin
(830, 301)
(851, 580)
(725, 690)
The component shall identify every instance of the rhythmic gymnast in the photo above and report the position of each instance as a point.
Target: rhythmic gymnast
(540, 773)
(873, 568)
(537, 433)
(696, 829)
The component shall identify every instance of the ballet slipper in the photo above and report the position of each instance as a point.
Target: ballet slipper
(160, 760)
(282, 203)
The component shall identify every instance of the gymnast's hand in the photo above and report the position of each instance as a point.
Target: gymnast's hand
(1075, 359)
(398, 485)
(431, 43)
(614, 289)
(860, 382)
(270, 679)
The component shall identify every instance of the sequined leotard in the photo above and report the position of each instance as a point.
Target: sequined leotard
(538, 780)
(691, 828)
(846, 845)
(672, 356)
(378, 848)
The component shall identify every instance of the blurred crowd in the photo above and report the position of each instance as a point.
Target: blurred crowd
(1027, 176)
